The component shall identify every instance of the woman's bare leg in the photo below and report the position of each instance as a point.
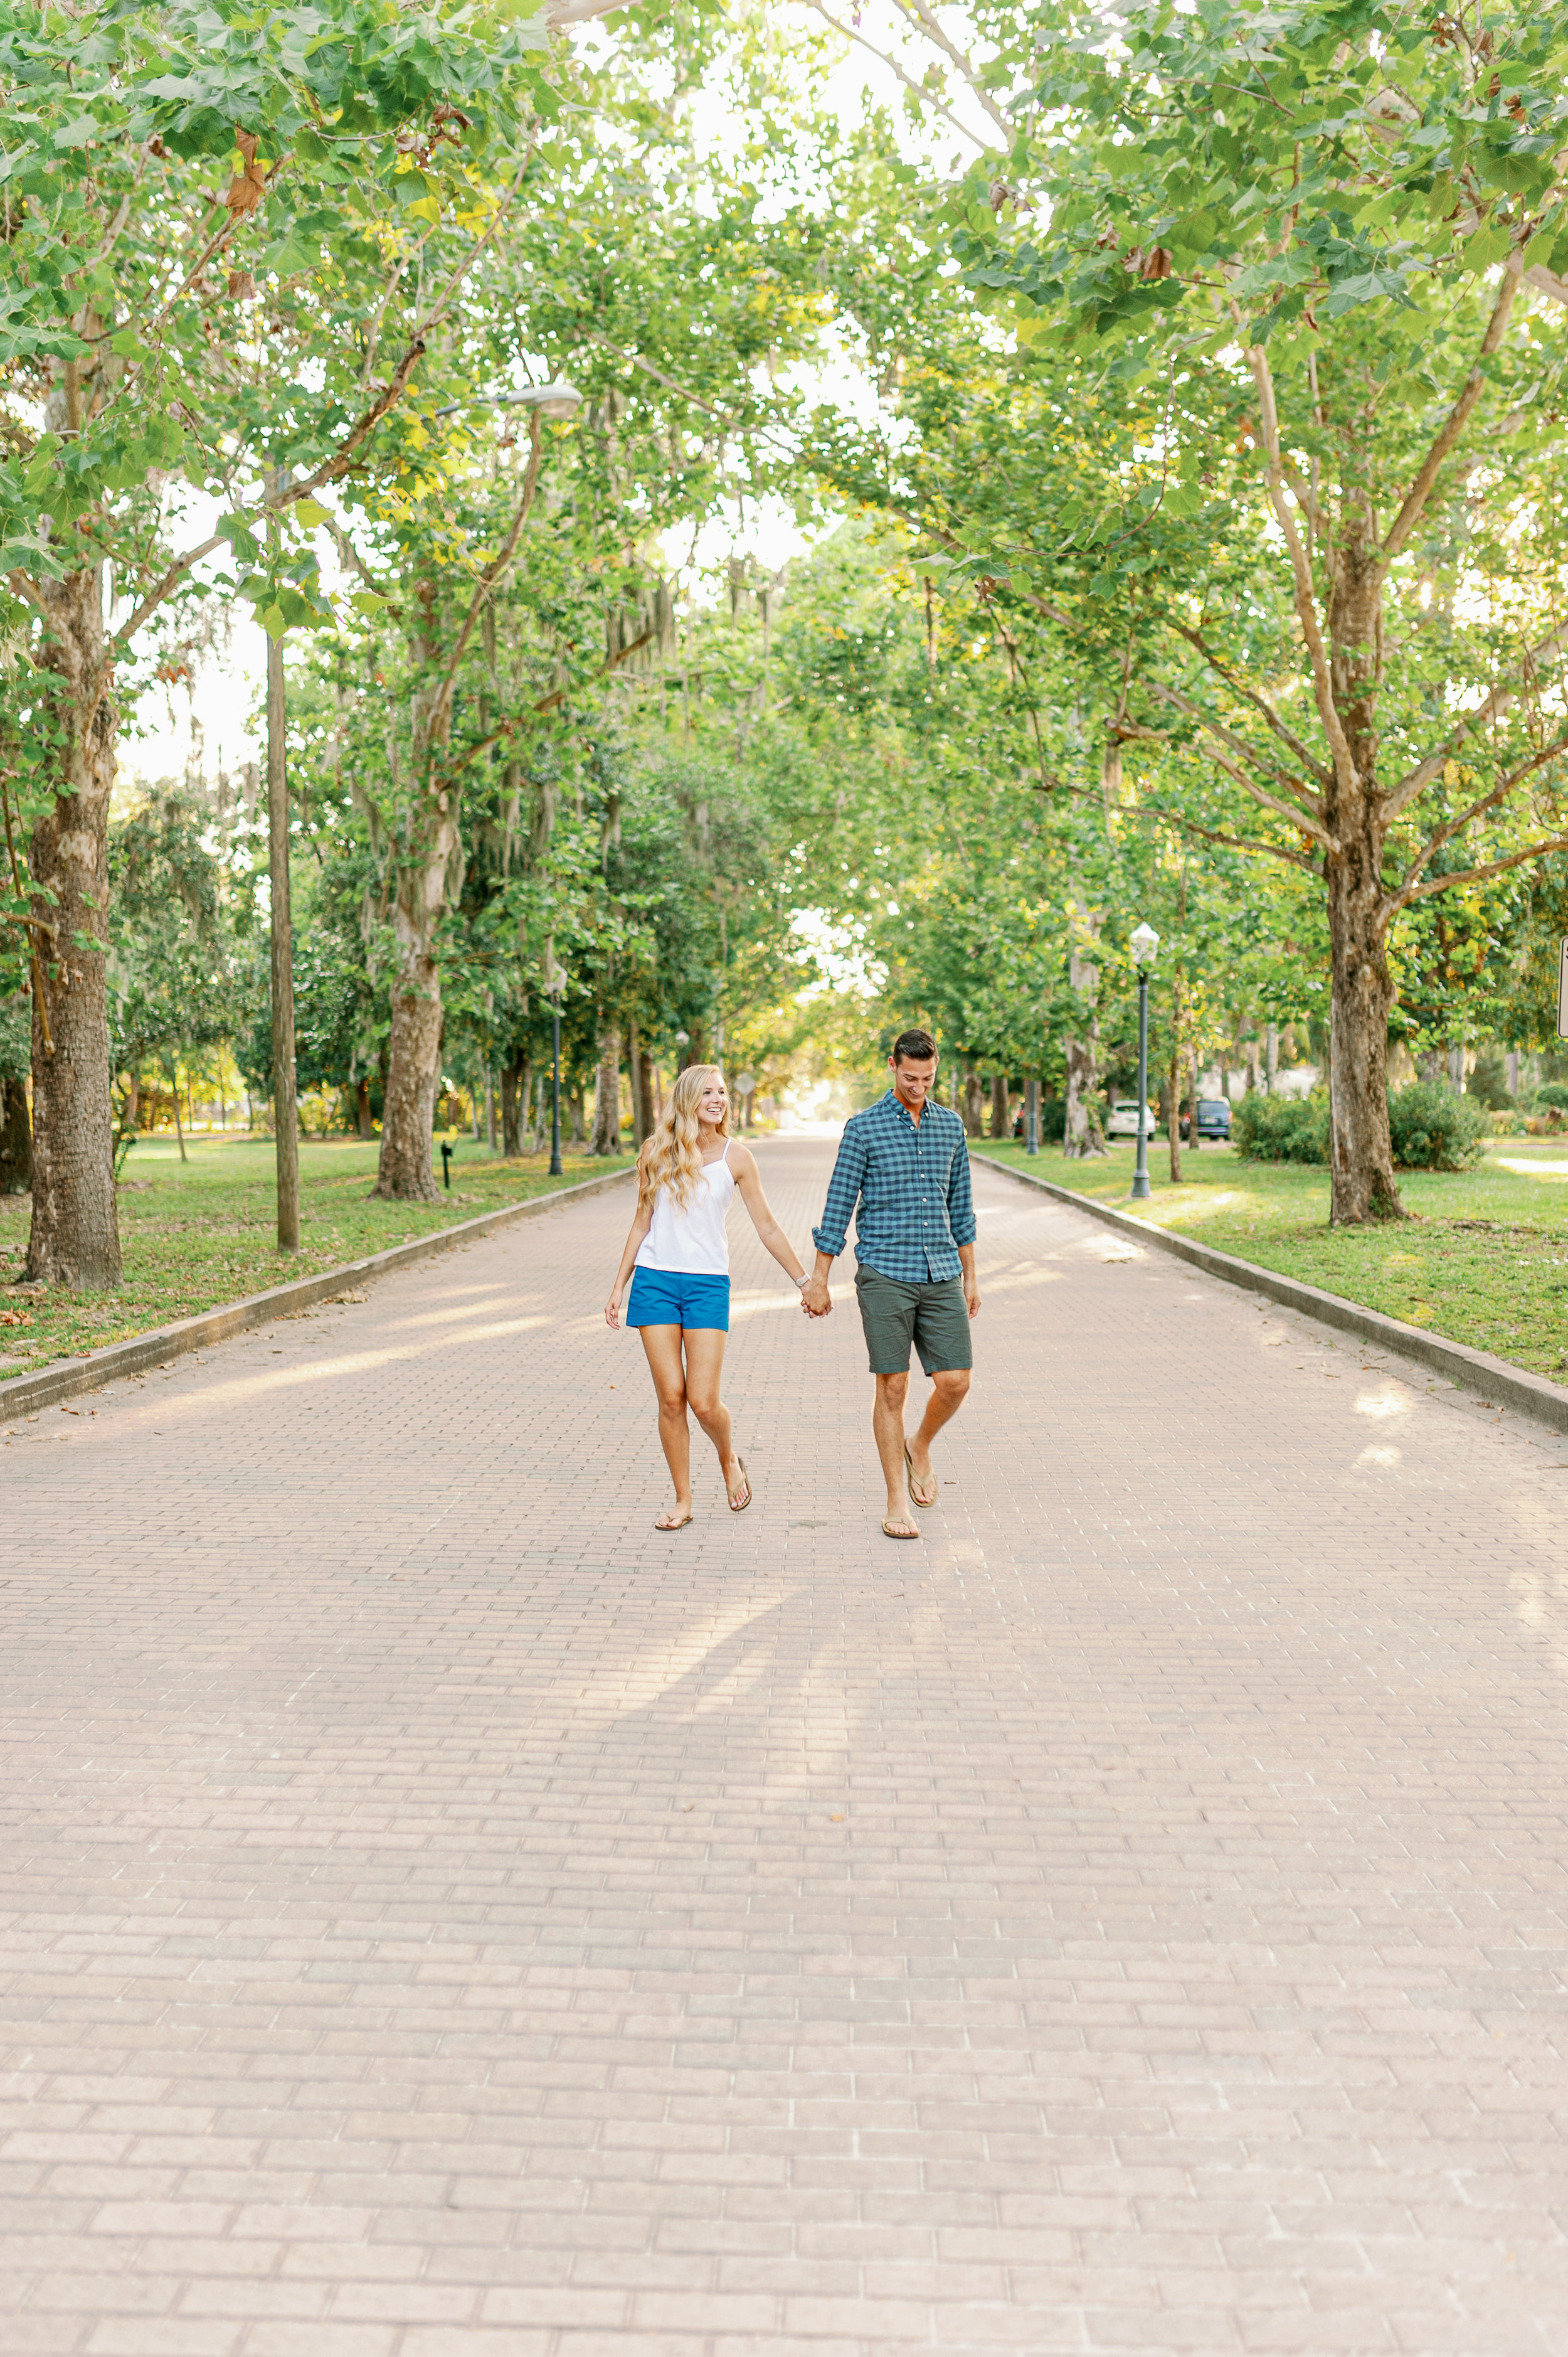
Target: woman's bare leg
(663, 1344)
(705, 1365)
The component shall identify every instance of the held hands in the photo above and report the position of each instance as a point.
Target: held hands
(815, 1298)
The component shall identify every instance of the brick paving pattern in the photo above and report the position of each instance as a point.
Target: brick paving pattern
(443, 1918)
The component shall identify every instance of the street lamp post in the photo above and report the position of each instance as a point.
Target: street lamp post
(555, 978)
(1143, 944)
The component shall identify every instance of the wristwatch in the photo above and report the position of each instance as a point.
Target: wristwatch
(802, 1281)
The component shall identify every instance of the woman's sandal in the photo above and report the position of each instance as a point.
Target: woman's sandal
(662, 1525)
(909, 1470)
(742, 1505)
(892, 1534)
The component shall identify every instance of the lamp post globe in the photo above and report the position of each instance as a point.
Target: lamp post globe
(1143, 944)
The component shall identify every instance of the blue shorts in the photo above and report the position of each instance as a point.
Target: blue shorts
(662, 1298)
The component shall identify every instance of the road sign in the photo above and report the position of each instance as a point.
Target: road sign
(1562, 990)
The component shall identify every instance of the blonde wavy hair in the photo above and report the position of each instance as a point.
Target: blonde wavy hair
(673, 1156)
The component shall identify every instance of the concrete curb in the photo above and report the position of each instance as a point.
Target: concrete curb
(24, 1393)
(1473, 1370)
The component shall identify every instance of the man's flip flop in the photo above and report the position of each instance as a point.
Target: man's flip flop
(741, 1507)
(673, 1526)
(909, 1471)
(892, 1534)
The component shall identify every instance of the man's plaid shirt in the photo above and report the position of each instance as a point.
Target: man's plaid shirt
(911, 1179)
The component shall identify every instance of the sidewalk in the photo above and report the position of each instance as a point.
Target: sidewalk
(444, 1918)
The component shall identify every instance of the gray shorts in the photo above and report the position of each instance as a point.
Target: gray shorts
(935, 1317)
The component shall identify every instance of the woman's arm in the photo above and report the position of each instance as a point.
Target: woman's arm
(748, 1186)
(635, 1234)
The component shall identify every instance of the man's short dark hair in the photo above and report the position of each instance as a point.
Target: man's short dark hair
(914, 1048)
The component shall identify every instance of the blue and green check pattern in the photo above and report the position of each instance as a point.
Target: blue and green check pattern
(912, 1182)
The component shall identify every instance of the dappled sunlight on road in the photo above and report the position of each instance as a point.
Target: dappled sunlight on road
(1384, 1403)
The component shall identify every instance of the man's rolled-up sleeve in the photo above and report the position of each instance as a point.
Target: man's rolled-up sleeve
(960, 1198)
(843, 1193)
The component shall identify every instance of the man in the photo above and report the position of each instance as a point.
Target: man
(907, 1164)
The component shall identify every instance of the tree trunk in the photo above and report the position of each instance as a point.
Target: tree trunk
(515, 1079)
(1273, 1066)
(362, 1106)
(1362, 1162)
(1001, 1107)
(575, 1134)
(413, 1065)
(606, 1093)
(634, 1065)
(647, 1082)
(174, 1099)
(408, 1117)
(15, 1138)
(75, 1237)
(1173, 1113)
(1083, 1131)
(973, 1121)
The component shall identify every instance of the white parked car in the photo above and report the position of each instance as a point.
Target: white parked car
(1123, 1120)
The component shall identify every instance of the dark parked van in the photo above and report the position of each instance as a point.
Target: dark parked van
(1213, 1121)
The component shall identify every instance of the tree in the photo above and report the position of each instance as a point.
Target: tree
(1306, 243)
(248, 340)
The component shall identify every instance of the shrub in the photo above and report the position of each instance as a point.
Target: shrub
(1554, 1094)
(1280, 1129)
(1434, 1129)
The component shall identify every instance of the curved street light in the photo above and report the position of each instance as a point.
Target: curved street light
(1143, 944)
(558, 398)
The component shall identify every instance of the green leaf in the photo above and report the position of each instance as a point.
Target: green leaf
(1484, 246)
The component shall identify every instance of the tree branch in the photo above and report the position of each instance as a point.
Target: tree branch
(637, 360)
(1479, 809)
(1280, 810)
(851, 33)
(341, 460)
(491, 577)
(1416, 781)
(1477, 875)
(1190, 825)
(918, 14)
(1309, 807)
(1453, 425)
(1305, 599)
(1196, 640)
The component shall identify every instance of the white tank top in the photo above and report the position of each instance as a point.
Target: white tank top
(692, 1243)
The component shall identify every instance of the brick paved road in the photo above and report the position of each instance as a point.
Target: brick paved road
(443, 1919)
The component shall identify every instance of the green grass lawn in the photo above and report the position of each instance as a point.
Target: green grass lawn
(1483, 1258)
(201, 1232)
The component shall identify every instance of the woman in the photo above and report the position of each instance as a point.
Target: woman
(687, 1175)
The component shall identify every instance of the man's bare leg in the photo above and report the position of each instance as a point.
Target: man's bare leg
(887, 1424)
(950, 1388)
